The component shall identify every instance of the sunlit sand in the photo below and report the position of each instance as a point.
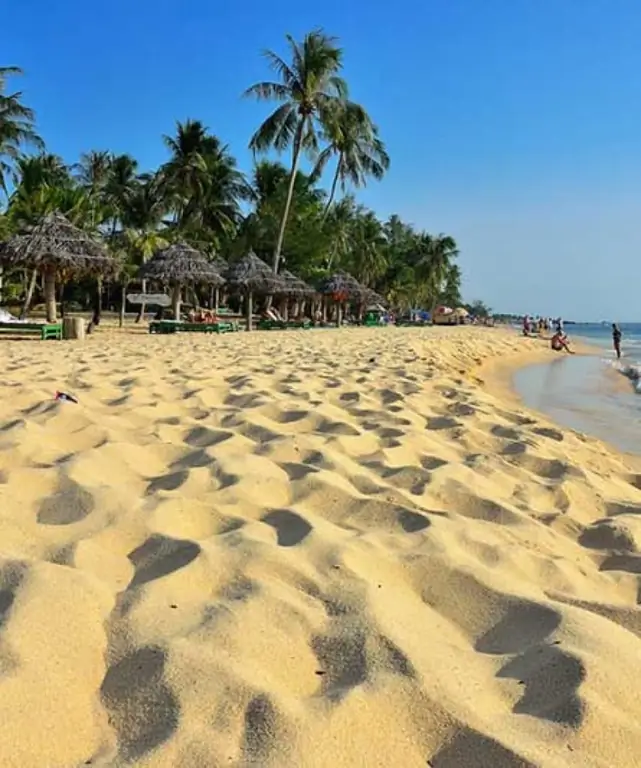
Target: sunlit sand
(308, 548)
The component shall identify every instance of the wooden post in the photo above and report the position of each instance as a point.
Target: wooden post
(249, 310)
(216, 299)
(50, 295)
(123, 303)
(175, 301)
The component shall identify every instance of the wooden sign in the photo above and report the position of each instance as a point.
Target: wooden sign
(156, 299)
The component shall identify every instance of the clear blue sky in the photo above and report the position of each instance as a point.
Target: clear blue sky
(514, 125)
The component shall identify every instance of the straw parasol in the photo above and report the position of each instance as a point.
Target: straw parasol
(56, 248)
(373, 298)
(179, 265)
(342, 287)
(294, 286)
(251, 275)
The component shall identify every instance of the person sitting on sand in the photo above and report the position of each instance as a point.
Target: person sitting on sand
(616, 339)
(560, 343)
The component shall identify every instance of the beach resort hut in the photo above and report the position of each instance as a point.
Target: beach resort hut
(180, 265)
(57, 250)
(444, 316)
(295, 288)
(250, 276)
(341, 287)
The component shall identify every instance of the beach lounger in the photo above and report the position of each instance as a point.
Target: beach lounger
(46, 331)
(265, 324)
(173, 326)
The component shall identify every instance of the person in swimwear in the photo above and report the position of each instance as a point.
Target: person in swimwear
(616, 339)
(560, 343)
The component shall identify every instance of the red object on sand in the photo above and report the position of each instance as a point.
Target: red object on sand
(65, 396)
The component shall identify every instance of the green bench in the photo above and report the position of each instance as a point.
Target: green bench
(276, 325)
(172, 326)
(44, 330)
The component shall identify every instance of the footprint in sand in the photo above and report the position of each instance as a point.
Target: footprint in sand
(70, 503)
(290, 528)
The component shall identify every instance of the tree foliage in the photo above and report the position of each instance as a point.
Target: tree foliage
(200, 195)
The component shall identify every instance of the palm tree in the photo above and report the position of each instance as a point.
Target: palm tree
(113, 182)
(202, 184)
(16, 126)
(141, 235)
(308, 87)
(434, 259)
(368, 248)
(360, 153)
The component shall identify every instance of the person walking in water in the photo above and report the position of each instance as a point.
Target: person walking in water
(616, 339)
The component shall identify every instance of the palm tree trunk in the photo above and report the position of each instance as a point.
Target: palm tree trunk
(123, 303)
(29, 296)
(250, 310)
(141, 311)
(97, 308)
(332, 191)
(50, 295)
(298, 143)
(61, 301)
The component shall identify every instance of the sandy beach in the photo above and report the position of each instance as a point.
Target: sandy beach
(322, 548)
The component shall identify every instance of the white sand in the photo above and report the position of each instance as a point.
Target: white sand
(323, 548)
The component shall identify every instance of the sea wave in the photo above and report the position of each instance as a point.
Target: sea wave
(631, 371)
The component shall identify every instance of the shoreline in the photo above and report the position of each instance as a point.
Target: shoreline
(498, 376)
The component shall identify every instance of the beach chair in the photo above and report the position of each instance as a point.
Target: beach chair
(45, 331)
(274, 322)
(178, 326)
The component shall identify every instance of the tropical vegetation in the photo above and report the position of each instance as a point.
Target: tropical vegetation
(200, 195)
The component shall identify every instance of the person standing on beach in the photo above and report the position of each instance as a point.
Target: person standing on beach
(616, 339)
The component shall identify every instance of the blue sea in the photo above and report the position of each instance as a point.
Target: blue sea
(595, 394)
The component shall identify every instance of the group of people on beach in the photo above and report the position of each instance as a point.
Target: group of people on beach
(559, 341)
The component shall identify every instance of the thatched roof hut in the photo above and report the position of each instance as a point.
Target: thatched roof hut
(180, 264)
(294, 286)
(251, 275)
(57, 248)
(372, 298)
(342, 284)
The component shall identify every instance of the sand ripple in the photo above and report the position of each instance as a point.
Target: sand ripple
(308, 549)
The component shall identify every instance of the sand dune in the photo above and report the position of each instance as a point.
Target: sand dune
(311, 549)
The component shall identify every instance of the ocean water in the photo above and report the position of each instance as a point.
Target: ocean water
(594, 394)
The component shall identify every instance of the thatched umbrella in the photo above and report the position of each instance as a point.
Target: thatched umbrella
(342, 287)
(179, 265)
(371, 297)
(251, 275)
(214, 294)
(294, 286)
(55, 247)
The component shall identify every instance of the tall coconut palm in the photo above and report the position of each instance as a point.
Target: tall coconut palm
(434, 259)
(109, 181)
(202, 184)
(368, 258)
(355, 142)
(142, 235)
(93, 169)
(16, 126)
(307, 88)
